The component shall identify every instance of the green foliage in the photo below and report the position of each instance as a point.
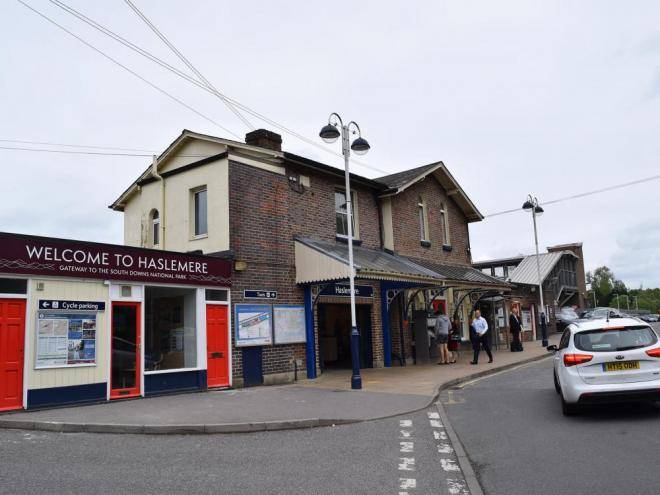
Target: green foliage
(608, 290)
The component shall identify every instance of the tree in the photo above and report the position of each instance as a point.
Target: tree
(606, 286)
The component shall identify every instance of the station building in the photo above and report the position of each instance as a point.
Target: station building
(281, 220)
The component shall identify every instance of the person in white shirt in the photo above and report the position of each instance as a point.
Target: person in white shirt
(480, 327)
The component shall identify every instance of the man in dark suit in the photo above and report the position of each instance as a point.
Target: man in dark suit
(515, 328)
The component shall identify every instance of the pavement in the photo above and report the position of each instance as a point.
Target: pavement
(325, 401)
(518, 441)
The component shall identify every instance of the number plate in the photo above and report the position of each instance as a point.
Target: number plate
(623, 366)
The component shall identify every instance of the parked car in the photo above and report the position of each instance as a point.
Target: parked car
(606, 361)
(601, 313)
(650, 318)
(565, 317)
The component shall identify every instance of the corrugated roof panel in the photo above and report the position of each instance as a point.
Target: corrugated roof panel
(526, 271)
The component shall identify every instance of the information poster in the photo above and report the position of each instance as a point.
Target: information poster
(65, 339)
(289, 323)
(254, 325)
(526, 320)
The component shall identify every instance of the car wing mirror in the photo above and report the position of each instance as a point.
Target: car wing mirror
(552, 348)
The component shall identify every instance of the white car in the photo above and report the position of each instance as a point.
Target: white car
(606, 361)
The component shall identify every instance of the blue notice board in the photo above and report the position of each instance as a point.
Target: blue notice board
(254, 324)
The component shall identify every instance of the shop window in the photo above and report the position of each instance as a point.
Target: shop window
(170, 328)
(341, 214)
(423, 220)
(13, 286)
(155, 228)
(200, 212)
(216, 295)
(444, 224)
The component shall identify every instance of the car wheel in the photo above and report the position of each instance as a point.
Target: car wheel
(569, 409)
(557, 387)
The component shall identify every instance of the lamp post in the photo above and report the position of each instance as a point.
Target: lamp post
(617, 301)
(532, 205)
(329, 133)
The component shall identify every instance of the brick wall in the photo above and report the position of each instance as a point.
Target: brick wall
(265, 214)
(405, 220)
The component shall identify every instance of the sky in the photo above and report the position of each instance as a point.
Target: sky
(548, 98)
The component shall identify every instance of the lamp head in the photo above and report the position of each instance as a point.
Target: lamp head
(360, 146)
(539, 211)
(528, 206)
(329, 133)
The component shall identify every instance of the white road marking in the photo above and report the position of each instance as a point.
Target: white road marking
(406, 447)
(436, 423)
(406, 464)
(439, 435)
(405, 433)
(449, 465)
(445, 448)
(405, 423)
(433, 415)
(407, 483)
(457, 487)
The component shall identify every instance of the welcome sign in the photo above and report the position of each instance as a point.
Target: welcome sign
(32, 255)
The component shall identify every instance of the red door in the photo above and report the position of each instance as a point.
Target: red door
(12, 342)
(217, 345)
(125, 357)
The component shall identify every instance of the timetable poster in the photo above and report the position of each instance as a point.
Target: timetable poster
(65, 339)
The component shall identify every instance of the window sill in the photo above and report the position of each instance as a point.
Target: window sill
(447, 247)
(197, 237)
(344, 239)
(426, 244)
(174, 370)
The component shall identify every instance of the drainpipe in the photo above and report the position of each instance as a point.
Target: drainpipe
(154, 172)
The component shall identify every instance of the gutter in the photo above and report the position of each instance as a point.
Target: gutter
(154, 172)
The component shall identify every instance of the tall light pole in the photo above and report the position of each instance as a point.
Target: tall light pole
(617, 301)
(532, 205)
(329, 133)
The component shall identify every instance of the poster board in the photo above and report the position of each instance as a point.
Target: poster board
(289, 324)
(65, 339)
(526, 320)
(254, 325)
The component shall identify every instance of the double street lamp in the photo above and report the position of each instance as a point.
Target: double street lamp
(532, 205)
(329, 133)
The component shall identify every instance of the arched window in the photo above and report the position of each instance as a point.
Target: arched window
(155, 228)
(444, 221)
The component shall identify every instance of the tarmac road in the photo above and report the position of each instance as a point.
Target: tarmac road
(513, 431)
(409, 454)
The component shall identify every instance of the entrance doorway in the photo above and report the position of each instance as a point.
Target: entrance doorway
(217, 346)
(335, 335)
(12, 342)
(125, 356)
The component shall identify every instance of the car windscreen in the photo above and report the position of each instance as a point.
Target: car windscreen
(615, 340)
(570, 312)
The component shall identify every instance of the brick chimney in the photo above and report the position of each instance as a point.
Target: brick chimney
(264, 139)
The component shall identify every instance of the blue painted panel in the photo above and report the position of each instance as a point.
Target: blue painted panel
(62, 396)
(310, 349)
(179, 381)
(385, 322)
(252, 366)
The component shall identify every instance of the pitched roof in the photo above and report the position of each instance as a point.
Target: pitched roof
(400, 179)
(459, 273)
(526, 272)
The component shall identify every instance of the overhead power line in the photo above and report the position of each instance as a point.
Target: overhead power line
(582, 195)
(101, 153)
(188, 64)
(131, 71)
(197, 83)
(73, 145)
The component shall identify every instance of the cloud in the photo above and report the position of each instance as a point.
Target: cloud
(637, 257)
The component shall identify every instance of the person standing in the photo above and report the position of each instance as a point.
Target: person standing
(441, 328)
(515, 328)
(481, 336)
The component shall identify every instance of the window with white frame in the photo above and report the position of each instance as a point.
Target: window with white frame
(200, 212)
(155, 228)
(444, 223)
(341, 214)
(423, 220)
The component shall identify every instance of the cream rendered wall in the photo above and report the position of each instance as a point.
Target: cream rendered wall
(178, 227)
(192, 150)
(63, 377)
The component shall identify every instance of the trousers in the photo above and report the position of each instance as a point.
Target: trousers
(481, 341)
